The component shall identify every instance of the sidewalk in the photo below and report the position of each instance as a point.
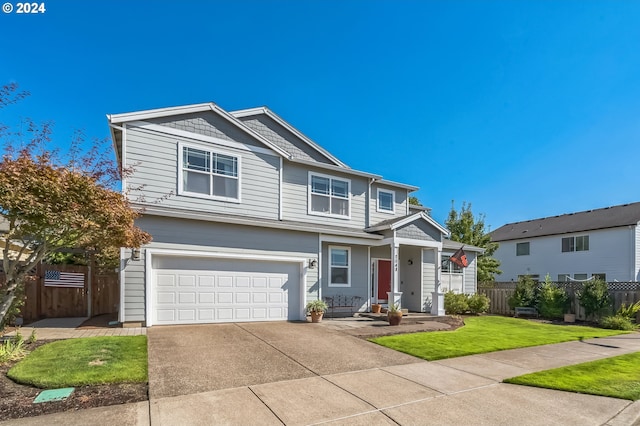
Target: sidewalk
(448, 392)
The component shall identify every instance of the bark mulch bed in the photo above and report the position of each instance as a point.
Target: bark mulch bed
(16, 400)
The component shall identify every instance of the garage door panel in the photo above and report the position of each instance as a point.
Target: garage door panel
(227, 292)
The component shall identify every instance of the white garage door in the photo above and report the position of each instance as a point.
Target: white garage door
(195, 290)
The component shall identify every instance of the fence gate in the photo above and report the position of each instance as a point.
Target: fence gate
(58, 291)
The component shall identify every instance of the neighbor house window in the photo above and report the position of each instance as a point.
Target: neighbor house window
(339, 267)
(209, 174)
(386, 201)
(563, 277)
(580, 277)
(328, 195)
(534, 277)
(522, 249)
(580, 243)
(449, 267)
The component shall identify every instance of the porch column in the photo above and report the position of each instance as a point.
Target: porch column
(437, 297)
(395, 295)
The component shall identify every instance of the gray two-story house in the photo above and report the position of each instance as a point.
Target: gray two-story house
(251, 219)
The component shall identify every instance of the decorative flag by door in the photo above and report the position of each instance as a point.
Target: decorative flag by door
(460, 258)
(63, 279)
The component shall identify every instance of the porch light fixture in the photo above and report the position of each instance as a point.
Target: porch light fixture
(313, 263)
(135, 254)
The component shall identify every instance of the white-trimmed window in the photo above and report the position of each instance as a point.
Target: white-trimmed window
(329, 196)
(448, 267)
(580, 243)
(209, 173)
(386, 201)
(339, 266)
(563, 278)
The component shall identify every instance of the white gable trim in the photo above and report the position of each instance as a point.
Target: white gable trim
(296, 132)
(189, 109)
(409, 219)
(202, 138)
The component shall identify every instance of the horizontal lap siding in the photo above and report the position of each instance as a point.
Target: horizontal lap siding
(193, 235)
(400, 207)
(295, 195)
(428, 277)
(610, 252)
(156, 160)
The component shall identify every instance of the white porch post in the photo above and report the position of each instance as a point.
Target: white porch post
(394, 295)
(437, 297)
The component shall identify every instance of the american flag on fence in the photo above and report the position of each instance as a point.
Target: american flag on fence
(63, 279)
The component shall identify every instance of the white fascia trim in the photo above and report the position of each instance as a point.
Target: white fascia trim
(158, 112)
(333, 168)
(150, 252)
(410, 188)
(202, 138)
(205, 216)
(345, 240)
(112, 129)
(394, 226)
(189, 109)
(418, 243)
(407, 242)
(275, 117)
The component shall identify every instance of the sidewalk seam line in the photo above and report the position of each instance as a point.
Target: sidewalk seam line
(266, 405)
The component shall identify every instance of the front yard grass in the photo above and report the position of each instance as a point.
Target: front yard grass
(487, 334)
(84, 361)
(617, 377)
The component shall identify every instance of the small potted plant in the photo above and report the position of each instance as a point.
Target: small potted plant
(316, 309)
(375, 308)
(394, 314)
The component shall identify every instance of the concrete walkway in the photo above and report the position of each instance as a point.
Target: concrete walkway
(449, 392)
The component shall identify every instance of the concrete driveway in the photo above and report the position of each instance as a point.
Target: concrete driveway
(199, 358)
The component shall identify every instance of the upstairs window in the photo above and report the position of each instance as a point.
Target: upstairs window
(386, 201)
(329, 196)
(209, 174)
(522, 249)
(580, 243)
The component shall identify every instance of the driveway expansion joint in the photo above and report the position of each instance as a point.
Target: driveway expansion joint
(276, 349)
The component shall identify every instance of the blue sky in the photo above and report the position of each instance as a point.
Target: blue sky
(524, 109)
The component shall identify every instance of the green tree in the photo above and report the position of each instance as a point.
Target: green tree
(49, 202)
(467, 229)
(414, 201)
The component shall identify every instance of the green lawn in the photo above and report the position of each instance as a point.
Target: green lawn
(487, 334)
(617, 377)
(86, 361)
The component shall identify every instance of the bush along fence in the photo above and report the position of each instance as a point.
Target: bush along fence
(499, 293)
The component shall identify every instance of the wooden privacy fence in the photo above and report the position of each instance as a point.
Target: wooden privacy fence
(500, 292)
(85, 294)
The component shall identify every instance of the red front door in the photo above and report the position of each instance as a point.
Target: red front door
(384, 279)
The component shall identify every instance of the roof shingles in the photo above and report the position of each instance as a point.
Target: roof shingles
(608, 217)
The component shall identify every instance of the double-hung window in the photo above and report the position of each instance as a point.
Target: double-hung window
(209, 174)
(340, 267)
(329, 195)
(448, 267)
(386, 200)
(580, 243)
